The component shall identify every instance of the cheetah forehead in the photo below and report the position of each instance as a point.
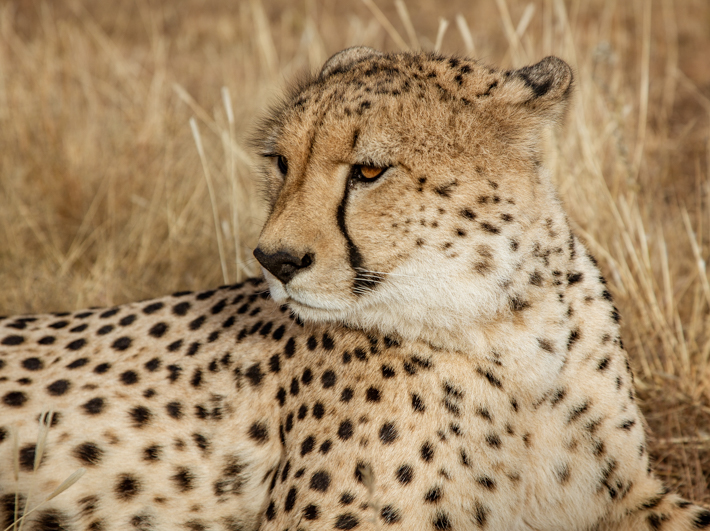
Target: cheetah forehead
(361, 92)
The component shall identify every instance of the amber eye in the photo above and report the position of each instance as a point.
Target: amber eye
(367, 174)
(282, 163)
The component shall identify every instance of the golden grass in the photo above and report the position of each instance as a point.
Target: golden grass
(109, 193)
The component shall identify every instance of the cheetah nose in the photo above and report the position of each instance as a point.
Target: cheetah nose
(282, 264)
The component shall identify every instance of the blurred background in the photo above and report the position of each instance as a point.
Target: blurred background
(124, 167)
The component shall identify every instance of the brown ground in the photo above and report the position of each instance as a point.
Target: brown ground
(104, 198)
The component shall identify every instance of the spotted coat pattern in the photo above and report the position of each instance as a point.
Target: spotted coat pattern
(435, 349)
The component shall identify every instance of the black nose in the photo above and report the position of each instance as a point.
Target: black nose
(282, 264)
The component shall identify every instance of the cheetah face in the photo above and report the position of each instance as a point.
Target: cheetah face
(400, 187)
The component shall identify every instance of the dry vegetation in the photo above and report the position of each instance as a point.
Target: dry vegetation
(105, 196)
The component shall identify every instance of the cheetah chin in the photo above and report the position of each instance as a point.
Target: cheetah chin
(435, 350)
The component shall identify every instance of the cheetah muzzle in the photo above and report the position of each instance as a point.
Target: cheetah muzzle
(435, 350)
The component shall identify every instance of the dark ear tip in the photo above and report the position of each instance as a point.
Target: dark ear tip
(550, 77)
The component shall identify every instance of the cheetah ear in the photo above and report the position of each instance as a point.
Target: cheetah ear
(543, 88)
(346, 59)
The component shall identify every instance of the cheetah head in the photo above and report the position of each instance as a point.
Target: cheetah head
(401, 187)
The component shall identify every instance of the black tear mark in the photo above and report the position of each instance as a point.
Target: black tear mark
(360, 284)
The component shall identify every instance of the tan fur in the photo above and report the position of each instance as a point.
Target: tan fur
(453, 359)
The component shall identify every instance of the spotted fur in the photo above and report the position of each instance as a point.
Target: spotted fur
(438, 350)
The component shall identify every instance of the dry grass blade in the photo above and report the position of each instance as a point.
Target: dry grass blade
(443, 26)
(213, 201)
(67, 483)
(386, 24)
(407, 22)
(465, 32)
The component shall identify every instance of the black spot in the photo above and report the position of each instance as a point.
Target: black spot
(158, 329)
(27, 457)
(128, 378)
(290, 499)
(328, 379)
(307, 376)
(59, 324)
(13, 340)
(140, 415)
(152, 308)
(372, 394)
(346, 521)
(194, 347)
(492, 379)
(603, 364)
(310, 512)
(196, 378)
(94, 406)
(290, 348)
(573, 278)
(328, 343)
(489, 228)
(417, 403)
(47, 340)
(433, 495)
(59, 387)
(545, 345)
(346, 395)
(486, 482)
(318, 410)
(122, 343)
(387, 371)
(127, 486)
(345, 430)
(360, 354)
(346, 498)
(52, 520)
(104, 330)
(174, 410)
(78, 363)
(493, 440)
(195, 324)
(183, 479)
(152, 453)
(427, 452)
(127, 320)
(573, 337)
(480, 514)
(307, 445)
(577, 412)
(254, 375)
(320, 481)
(88, 453)
(174, 371)
(441, 521)
(201, 442)
(388, 433)
(76, 344)
(181, 309)
(259, 432)
(32, 364)
(312, 343)
(281, 396)
(325, 447)
(390, 515)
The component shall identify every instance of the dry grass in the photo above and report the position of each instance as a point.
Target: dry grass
(105, 197)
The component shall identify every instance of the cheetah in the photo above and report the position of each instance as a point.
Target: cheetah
(432, 348)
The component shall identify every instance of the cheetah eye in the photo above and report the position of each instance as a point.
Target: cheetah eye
(282, 163)
(367, 174)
